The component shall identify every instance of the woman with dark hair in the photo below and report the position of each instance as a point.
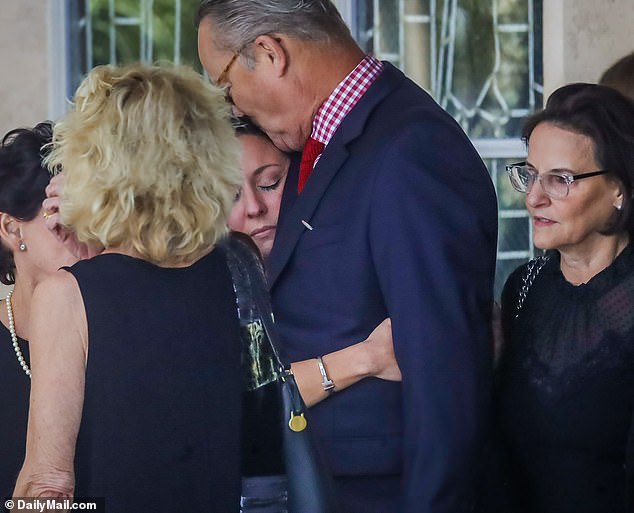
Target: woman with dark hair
(28, 253)
(255, 212)
(620, 76)
(257, 202)
(565, 401)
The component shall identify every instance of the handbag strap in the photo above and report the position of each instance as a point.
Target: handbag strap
(247, 272)
(532, 270)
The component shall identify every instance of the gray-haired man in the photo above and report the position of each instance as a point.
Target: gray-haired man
(397, 219)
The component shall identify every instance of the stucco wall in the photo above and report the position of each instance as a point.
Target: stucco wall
(24, 88)
(583, 37)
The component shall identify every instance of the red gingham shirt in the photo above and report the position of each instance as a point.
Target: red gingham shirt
(344, 97)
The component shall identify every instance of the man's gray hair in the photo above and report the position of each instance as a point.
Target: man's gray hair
(237, 23)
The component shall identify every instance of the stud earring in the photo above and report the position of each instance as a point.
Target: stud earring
(22, 246)
(618, 207)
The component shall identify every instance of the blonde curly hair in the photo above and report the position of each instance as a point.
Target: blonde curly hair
(150, 160)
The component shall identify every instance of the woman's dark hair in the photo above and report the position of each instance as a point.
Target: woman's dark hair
(23, 180)
(620, 76)
(607, 118)
(243, 125)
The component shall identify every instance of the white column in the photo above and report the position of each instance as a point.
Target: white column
(58, 65)
(23, 61)
(583, 37)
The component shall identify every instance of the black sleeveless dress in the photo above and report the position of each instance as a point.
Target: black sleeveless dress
(160, 429)
(15, 387)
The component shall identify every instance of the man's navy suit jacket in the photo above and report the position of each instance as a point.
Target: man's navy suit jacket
(404, 225)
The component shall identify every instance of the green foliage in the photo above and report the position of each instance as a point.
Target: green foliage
(143, 30)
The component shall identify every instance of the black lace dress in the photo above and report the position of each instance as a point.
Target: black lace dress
(566, 390)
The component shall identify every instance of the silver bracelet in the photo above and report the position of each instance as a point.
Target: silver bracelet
(329, 386)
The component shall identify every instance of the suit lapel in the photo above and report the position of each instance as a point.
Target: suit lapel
(290, 226)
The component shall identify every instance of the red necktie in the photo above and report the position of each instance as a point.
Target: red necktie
(312, 149)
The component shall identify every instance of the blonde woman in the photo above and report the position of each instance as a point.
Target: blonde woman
(135, 353)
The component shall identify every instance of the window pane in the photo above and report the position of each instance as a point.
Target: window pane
(480, 60)
(513, 234)
(416, 7)
(123, 31)
(513, 11)
(502, 272)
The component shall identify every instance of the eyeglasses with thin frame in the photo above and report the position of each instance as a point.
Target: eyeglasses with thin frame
(555, 184)
(222, 78)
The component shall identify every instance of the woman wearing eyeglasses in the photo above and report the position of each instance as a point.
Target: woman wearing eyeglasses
(565, 396)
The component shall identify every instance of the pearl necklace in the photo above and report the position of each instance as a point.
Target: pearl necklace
(14, 337)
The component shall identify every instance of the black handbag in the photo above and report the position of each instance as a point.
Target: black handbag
(271, 394)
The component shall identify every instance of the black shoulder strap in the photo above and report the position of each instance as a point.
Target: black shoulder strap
(261, 361)
(532, 270)
(309, 487)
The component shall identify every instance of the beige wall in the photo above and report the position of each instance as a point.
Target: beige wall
(583, 37)
(24, 88)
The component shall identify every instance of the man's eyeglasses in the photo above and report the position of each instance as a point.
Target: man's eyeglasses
(222, 78)
(556, 185)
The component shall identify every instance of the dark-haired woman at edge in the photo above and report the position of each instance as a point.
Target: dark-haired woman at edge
(28, 253)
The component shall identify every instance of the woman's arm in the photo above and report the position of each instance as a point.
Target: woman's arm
(58, 347)
(372, 357)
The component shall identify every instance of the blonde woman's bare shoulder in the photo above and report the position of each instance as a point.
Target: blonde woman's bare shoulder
(56, 290)
(57, 308)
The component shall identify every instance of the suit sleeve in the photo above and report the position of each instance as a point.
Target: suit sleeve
(433, 234)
